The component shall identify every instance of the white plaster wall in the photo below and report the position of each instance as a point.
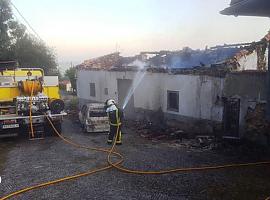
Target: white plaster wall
(148, 93)
(205, 99)
(209, 104)
(146, 96)
(197, 94)
(84, 78)
(249, 62)
(68, 87)
(217, 102)
(187, 87)
(102, 80)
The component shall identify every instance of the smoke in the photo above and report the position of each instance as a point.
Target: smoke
(138, 63)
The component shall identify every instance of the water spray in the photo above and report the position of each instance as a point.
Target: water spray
(135, 84)
(136, 81)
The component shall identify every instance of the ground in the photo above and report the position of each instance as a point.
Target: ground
(24, 163)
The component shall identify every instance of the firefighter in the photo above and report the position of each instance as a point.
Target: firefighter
(115, 118)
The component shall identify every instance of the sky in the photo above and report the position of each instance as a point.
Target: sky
(84, 29)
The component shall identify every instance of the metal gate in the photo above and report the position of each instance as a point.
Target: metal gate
(231, 116)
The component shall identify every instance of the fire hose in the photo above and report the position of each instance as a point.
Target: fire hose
(30, 112)
(118, 167)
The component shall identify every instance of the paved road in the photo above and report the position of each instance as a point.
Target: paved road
(24, 163)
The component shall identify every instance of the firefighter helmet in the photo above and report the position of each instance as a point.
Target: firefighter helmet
(110, 102)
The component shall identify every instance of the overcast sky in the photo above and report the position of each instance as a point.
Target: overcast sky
(84, 29)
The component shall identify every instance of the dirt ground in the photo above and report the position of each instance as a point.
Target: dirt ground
(24, 163)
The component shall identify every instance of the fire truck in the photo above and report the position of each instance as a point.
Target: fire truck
(28, 100)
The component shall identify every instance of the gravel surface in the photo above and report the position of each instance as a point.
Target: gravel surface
(24, 163)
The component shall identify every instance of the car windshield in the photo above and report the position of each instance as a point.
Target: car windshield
(97, 113)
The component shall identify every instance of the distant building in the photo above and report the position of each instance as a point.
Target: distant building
(66, 85)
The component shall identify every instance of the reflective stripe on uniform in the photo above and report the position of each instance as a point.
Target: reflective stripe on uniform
(119, 134)
(118, 123)
(115, 124)
(119, 138)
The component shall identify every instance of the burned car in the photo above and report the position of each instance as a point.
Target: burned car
(93, 118)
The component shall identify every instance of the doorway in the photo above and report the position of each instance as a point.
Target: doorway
(231, 116)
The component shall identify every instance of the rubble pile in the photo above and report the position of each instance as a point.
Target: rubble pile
(261, 62)
(256, 123)
(154, 131)
(199, 144)
(172, 136)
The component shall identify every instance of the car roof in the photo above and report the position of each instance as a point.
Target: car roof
(95, 105)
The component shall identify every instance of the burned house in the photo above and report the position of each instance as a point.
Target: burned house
(214, 93)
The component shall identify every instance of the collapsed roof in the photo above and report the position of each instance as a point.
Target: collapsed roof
(187, 58)
(102, 62)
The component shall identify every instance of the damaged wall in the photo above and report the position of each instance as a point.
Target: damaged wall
(199, 95)
(249, 87)
(254, 59)
(248, 62)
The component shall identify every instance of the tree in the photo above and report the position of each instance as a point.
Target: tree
(17, 44)
(5, 17)
(60, 75)
(71, 74)
(30, 52)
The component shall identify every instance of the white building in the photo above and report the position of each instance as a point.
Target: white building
(184, 96)
(208, 95)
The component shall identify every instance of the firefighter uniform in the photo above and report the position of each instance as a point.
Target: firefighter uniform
(115, 117)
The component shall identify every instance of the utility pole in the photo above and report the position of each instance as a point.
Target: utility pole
(268, 86)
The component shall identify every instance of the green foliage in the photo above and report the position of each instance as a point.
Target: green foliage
(30, 52)
(71, 74)
(17, 44)
(5, 16)
(62, 86)
(60, 75)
